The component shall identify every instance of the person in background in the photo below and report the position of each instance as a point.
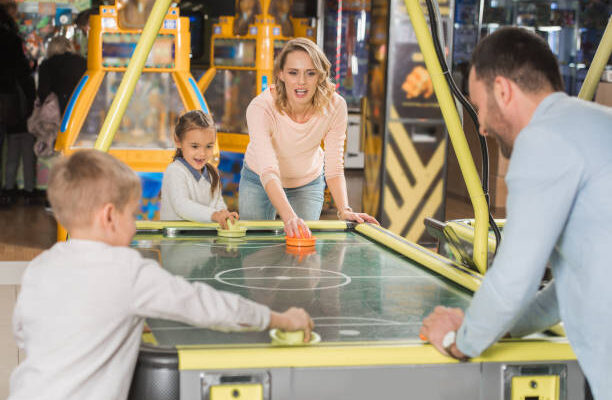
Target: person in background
(81, 33)
(558, 208)
(17, 94)
(60, 72)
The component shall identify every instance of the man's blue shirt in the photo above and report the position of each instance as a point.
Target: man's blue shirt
(559, 209)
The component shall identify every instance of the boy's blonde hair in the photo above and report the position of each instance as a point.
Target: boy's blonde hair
(82, 183)
(325, 87)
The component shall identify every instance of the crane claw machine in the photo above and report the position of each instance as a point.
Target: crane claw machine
(164, 90)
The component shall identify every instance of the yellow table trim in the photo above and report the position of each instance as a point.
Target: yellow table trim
(325, 355)
(435, 262)
(159, 225)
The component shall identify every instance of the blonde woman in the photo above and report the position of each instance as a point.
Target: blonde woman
(285, 168)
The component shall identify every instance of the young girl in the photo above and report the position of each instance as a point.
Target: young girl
(191, 188)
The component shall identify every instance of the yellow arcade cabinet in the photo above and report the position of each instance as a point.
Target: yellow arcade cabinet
(165, 90)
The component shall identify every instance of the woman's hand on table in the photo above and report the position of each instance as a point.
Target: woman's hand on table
(296, 227)
(349, 215)
(222, 216)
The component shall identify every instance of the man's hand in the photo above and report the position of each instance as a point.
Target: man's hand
(294, 319)
(437, 324)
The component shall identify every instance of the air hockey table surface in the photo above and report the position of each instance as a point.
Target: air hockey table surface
(367, 291)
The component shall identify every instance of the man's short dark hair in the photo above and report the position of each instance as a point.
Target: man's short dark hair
(519, 55)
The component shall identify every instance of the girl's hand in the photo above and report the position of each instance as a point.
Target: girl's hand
(349, 215)
(296, 227)
(222, 216)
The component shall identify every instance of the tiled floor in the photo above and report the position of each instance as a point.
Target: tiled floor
(25, 231)
(9, 355)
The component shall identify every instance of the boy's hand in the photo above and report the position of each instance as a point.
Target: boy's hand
(222, 216)
(294, 319)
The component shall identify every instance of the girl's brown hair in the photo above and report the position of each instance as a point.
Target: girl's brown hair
(197, 119)
(325, 87)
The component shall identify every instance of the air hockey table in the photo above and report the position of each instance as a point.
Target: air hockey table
(367, 291)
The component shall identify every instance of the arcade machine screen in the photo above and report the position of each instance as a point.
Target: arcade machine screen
(146, 124)
(231, 90)
(117, 49)
(196, 28)
(150, 116)
(235, 52)
(347, 32)
(228, 96)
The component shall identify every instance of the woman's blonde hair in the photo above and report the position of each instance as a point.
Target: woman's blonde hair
(325, 87)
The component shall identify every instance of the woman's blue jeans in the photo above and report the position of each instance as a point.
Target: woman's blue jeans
(254, 204)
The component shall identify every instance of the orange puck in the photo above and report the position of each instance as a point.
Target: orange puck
(300, 252)
(422, 337)
(300, 242)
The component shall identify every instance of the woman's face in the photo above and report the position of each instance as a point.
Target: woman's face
(300, 78)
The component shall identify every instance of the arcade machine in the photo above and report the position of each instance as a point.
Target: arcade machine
(242, 59)
(164, 90)
(572, 31)
(405, 136)
(346, 45)
(456, 237)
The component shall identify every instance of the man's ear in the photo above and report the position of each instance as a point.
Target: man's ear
(502, 91)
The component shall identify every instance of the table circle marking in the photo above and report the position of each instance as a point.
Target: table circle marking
(332, 274)
(354, 321)
(240, 245)
(349, 332)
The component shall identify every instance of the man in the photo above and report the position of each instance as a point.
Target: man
(558, 208)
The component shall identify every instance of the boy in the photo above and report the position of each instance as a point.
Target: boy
(82, 304)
